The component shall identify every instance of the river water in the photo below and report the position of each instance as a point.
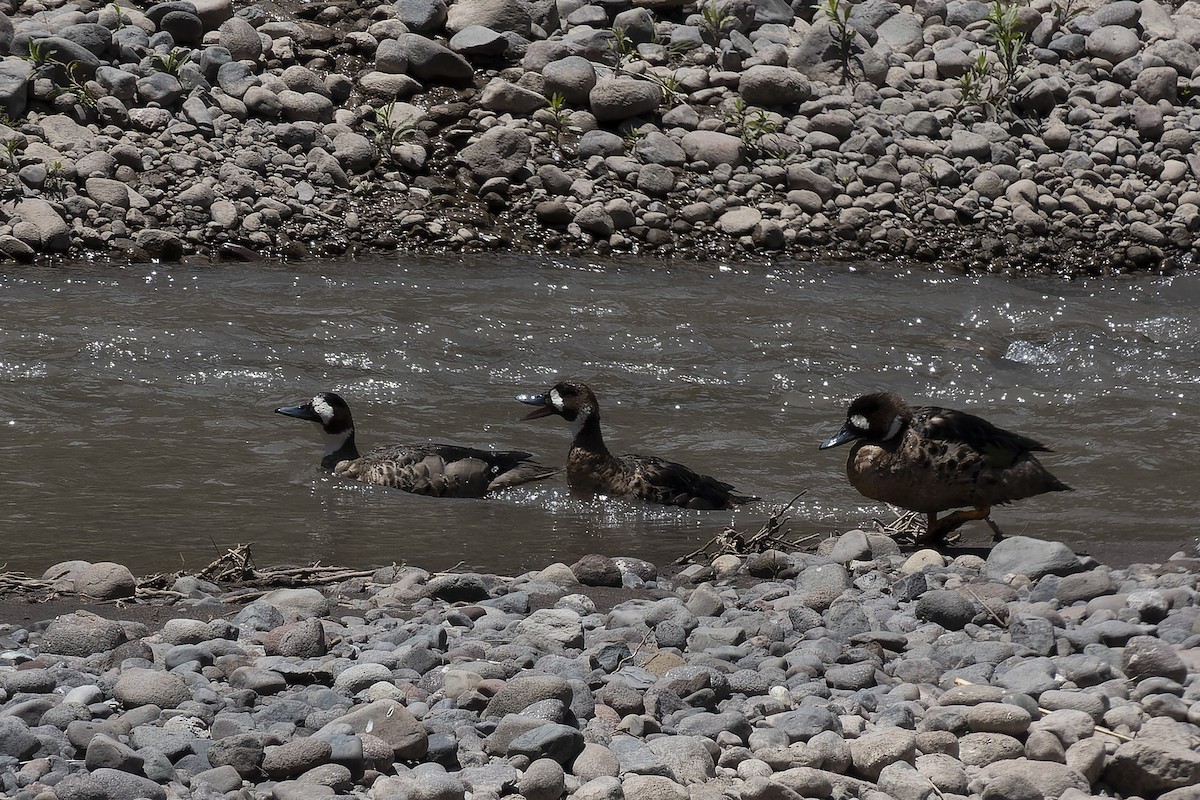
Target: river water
(136, 403)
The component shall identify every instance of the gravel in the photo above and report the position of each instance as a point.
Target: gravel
(197, 130)
(709, 682)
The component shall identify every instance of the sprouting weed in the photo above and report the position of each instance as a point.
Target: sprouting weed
(622, 47)
(386, 129)
(11, 147)
(1009, 41)
(56, 184)
(560, 118)
(1065, 11)
(838, 15)
(751, 123)
(671, 93)
(716, 22)
(38, 54)
(122, 17)
(973, 82)
(988, 82)
(76, 83)
(171, 62)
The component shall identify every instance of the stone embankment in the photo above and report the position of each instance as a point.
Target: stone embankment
(856, 671)
(1051, 136)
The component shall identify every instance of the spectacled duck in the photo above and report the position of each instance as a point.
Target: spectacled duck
(930, 459)
(593, 470)
(438, 470)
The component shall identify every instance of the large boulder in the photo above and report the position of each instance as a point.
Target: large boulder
(505, 16)
(766, 85)
(819, 57)
(616, 99)
(499, 153)
(38, 224)
(421, 16)
(424, 59)
(573, 77)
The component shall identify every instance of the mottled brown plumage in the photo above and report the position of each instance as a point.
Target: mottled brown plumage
(437, 470)
(593, 470)
(930, 459)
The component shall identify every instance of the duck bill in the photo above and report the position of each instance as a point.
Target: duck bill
(304, 412)
(544, 407)
(841, 437)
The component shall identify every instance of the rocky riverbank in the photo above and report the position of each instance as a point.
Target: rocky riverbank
(856, 671)
(1054, 136)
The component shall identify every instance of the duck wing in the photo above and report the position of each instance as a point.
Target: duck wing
(671, 483)
(443, 470)
(1001, 448)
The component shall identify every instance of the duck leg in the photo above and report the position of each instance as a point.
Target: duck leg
(997, 534)
(938, 529)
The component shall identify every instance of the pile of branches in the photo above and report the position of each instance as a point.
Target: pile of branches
(18, 583)
(773, 535)
(234, 570)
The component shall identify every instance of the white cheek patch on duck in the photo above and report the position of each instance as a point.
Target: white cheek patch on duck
(897, 423)
(323, 409)
(556, 399)
(860, 422)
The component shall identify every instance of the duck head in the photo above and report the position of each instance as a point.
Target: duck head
(574, 402)
(875, 417)
(331, 414)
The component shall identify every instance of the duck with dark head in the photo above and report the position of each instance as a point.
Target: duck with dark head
(593, 470)
(930, 459)
(439, 470)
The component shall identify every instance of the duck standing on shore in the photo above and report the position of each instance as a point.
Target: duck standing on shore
(930, 459)
(593, 470)
(438, 470)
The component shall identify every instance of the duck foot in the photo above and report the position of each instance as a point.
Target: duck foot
(997, 534)
(938, 530)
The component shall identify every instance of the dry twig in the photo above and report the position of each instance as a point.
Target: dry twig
(235, 566)
(772, 535)
(909, 527)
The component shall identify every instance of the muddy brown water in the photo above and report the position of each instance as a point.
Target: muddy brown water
(136, 403)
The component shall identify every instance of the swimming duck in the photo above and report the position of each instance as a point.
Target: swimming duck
(439, 470)
(592, 469)
(930, 459)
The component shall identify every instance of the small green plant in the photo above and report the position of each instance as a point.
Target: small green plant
(751, 123)
(677, 50)
(671, 93)
(622, 47)
(56, 184)
(171, 62)
(11, 147)
(76, 83)
(1064, 12)
(1009, 43)
(560, 119)
(838, 15)
(716, 22)
(38, 54)
(122, 17)
(386, 129)
(631, 137)
(973, 84)
(989, 80)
